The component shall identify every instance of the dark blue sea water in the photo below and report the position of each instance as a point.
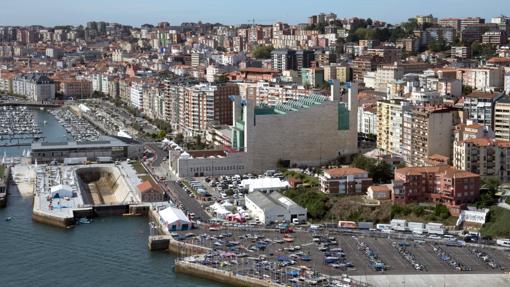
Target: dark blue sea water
(111, 251)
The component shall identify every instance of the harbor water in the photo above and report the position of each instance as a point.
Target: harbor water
(111, 251)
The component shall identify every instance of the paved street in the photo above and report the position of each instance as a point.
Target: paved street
(190, 204)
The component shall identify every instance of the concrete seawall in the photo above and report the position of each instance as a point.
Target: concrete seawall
(45, 218)
(221, 276)
(4, 186)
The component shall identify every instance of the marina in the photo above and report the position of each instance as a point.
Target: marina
(77, 128)
(18, 123)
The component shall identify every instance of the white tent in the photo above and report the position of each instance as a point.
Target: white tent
(174, 219)
(220, 210)
(265, 184)
(61, 191)
(227, 205)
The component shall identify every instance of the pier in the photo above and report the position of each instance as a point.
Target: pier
(31, 104)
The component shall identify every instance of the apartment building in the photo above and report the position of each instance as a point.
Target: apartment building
(203, 105)
(35, 86)
(482, 79)
(479, 107)
(364, 64)
(494, 38)
(386, 74)
(450, 22)
(77, 89)
(136, 94)
(343, 74)
(484, 156)
(390, 120)
(461, 52)
(284, 59)
(444, 184)
(427, 131)
(502, 119)
(345, 180)
(312, 77)
(367, 119)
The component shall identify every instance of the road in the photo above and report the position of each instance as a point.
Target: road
(172, 188)
(179, 195)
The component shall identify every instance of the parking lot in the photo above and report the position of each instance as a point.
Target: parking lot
(333, 253)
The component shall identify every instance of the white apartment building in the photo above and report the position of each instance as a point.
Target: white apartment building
(367, 120)
(136, 96)
(502, 119)
(37, 87)
(482, 79)
(386, 74)
(507, 83)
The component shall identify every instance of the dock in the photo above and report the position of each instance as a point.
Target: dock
(222, 276)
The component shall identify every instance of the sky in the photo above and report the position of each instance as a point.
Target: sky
(137, 12)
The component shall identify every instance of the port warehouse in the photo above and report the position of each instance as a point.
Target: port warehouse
(397, 225)
(116, 148)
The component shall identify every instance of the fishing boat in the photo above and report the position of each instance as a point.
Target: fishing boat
(8, 218)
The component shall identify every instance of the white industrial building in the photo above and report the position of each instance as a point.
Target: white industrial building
(273, 208)
(174, 219)
(264, 184)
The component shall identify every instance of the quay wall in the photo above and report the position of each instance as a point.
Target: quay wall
(45, 218)
(4, 187)
(221, 276)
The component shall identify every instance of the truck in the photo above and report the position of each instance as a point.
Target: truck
(365, 225)
(383, 227)
(347, 224)
(398, 224)
(435, 228)
(416, 227)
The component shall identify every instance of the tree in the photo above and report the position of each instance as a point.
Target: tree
(379, 171)
(314, 201)
(437, 45)
(262, 52)
(488, 191)
(466, 90)
(179, 139)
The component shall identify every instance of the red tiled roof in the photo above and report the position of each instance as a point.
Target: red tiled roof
(342, 171)
(145, 186)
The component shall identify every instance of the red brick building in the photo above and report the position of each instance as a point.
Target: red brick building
(439, 184)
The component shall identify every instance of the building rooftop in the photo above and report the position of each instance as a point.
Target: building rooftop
(343, 171)
(446, 170)
(102, 142)
(271, 200)
(292, 105)
(483, 95)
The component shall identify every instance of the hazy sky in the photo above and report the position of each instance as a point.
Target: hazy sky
(136, 12)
